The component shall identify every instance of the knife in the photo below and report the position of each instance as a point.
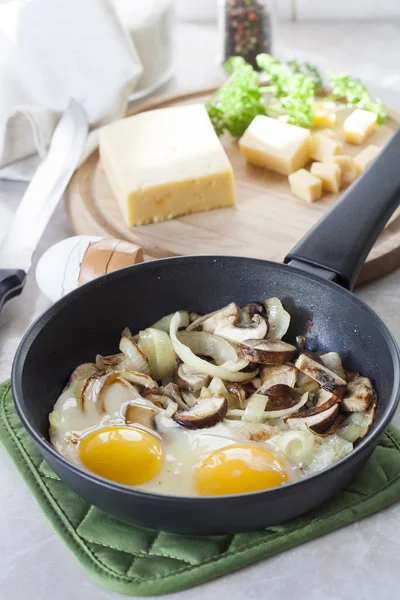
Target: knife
(41, 197)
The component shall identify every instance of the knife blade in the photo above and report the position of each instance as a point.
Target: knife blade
(40, 199)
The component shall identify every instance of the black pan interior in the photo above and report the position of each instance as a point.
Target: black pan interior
(90, 320)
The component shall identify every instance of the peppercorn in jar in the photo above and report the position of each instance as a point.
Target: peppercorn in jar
(246, 28)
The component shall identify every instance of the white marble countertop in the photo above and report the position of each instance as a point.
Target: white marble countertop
(359, 561)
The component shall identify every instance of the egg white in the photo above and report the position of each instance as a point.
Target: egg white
(183, 449)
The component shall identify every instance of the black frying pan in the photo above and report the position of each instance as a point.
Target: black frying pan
(312, 286)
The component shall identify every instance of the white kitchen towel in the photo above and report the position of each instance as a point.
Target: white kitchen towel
(52, 51)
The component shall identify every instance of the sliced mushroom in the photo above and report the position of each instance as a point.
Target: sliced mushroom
(156, 397)
(301, 343)
(209, 322)
(233, 330)
(142, 415)
(187, 379)
(280, 397)
(248, 311)
(238, 392)
(173, 392)
(206, 412)
(109, 362)
(275, 374)
(331, 429)
(358, 395)
(325, 377)
(318, 422)
(189, 398)
(256, 432)
(266, 351)
(319, 402)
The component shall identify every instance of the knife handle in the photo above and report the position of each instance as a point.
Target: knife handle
(12, 282)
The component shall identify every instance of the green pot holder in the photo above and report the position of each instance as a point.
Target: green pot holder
(137, 562)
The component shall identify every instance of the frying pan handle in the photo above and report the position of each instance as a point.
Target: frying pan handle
(11, 284)
(341, 240)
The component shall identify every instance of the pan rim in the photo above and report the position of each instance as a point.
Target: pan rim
(43, 319)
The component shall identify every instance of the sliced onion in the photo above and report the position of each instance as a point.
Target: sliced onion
(135, 377)
(164, 323)
(278, 319)
(171, 409)
(217, 388)
(255, 408)
(278, 374)
(333, 362)
(202, 366)
(159, 351)
(270, 414)
(205, 393)
(207, 344)
(297, 446)
(135, 359)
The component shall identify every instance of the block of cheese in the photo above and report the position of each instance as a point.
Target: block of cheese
(166, 162)
(321, 147)
(344, 161)
(329, 173)
(305, 185)
(365, 158)
(275, 145)
(358, 126)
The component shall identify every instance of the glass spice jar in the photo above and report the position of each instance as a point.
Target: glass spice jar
(245, 26)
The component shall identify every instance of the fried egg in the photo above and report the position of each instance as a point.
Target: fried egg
(123, 454)
(168, 459)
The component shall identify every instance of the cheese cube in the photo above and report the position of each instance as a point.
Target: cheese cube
(358, 126)
(330, 133)
(275, 145)
(324, 115)
(321, 147)
(365, 158)
(166, 162)
(329, 174)
(348, 177)
(344, 161)
(304, 185)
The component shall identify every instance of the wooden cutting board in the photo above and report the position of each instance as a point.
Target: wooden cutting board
(266, 223)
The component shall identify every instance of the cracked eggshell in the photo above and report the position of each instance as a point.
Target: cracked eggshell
(79, 259)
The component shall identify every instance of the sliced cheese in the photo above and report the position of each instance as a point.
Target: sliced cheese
(365, 158)
(329, 173)
(344, 161)
(305, 185)
(321, 147)
(275, 145)
(358, 126)
(166, 162)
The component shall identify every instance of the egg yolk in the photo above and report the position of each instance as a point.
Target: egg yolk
(123, 454)
(239, 469)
